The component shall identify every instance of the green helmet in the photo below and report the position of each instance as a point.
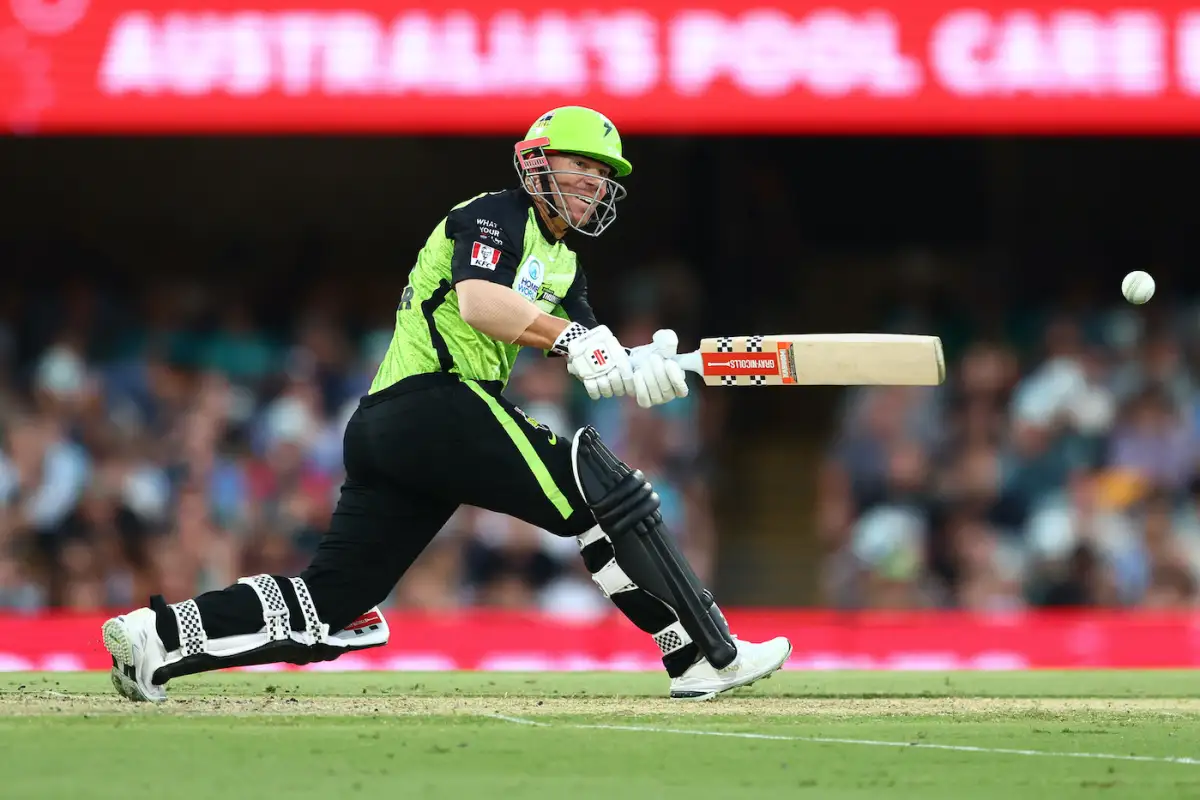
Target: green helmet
(573, 130)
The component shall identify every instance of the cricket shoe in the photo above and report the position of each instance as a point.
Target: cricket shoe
(132, 641)
(753, 662)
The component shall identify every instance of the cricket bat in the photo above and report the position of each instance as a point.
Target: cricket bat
(818, 359)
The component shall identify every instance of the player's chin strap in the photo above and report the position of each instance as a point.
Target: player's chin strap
(281, 639)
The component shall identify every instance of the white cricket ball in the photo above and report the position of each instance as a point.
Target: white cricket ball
(1138, 287)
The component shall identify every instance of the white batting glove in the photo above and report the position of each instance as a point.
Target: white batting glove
(657, 379)
(597, 359)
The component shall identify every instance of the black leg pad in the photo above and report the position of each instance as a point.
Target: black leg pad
(284, 651)
(625, 503)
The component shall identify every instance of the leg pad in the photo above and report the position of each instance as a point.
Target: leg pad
(276, 640)
(626, 508)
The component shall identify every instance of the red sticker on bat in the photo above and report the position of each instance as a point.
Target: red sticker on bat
(740, 363)
(781, 364)
(787, 363)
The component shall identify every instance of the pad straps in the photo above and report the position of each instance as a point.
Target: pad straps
(313, 626)
(275, 610)
(672, 638)
(192, 638)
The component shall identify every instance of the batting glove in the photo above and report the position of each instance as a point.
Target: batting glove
(597, 359)
(657, 378)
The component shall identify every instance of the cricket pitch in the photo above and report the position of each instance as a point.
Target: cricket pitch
(543, 735)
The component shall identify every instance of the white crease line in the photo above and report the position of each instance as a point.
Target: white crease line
(961, 748)
(516, 720)
(43, 693)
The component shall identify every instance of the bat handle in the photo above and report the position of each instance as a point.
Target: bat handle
(690, 361)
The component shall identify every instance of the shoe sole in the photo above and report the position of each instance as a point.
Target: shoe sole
(120, 647)
(703, 696)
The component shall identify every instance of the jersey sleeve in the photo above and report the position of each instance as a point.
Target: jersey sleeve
(575, 305)
(488, 238)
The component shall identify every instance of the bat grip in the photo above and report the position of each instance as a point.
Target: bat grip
(689, 361)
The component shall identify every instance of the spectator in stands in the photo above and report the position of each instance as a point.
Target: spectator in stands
(1070, 484)
(1090, 512)
(43, 477)
(238, 349)
(987, 572)
(1172, 588)
(1158, 560)
(889, 550)
(163, 441)
(1153, 441)
(167, 442)
(1083, 581)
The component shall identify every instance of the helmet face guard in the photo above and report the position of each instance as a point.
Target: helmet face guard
(540, 181)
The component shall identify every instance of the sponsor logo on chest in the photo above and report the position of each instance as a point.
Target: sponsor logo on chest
(530, 277)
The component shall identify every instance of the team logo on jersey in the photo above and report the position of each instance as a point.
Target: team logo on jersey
(529, 278)
(484, 256)
(540, 426)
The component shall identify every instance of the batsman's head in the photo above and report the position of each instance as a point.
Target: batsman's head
(568, 160)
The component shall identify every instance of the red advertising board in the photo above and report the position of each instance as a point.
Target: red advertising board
(497, 640)
(657, 66)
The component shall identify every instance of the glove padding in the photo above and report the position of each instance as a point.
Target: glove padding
(657, 378)
(597, 359)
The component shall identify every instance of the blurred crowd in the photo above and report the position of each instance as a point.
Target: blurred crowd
(1064, 473)
(173, 438)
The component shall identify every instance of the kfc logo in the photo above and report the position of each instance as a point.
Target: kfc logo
(484, 257)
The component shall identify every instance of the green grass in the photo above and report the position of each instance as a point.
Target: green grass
(406, 735)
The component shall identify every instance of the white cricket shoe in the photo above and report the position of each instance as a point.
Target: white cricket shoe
(753, 662)
(132, 641)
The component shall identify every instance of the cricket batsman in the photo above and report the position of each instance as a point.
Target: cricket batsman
(435, 432)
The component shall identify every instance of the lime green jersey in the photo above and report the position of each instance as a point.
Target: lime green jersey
(497, 237)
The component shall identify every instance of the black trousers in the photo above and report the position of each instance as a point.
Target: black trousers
(413, 454)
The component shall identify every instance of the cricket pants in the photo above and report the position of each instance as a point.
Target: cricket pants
(414, 453)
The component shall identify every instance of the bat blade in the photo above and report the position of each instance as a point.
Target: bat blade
(819, 359)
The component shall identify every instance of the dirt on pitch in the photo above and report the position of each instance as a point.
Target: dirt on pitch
(50, 703)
